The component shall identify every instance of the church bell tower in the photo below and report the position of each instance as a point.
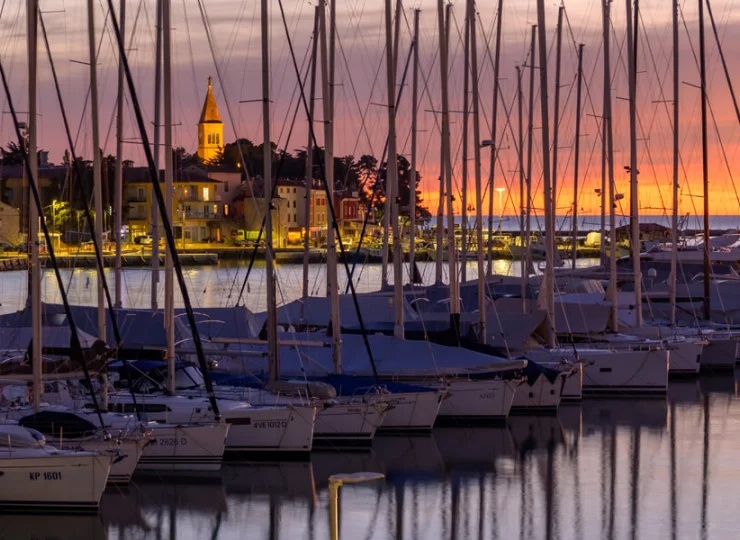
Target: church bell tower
(210, 128)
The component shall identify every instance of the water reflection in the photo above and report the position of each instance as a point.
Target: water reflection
(611, 468)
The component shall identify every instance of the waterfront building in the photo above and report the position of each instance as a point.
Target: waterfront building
(10, 224)
(198, 210)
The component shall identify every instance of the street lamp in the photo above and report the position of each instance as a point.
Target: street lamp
(53, 218)
(337, 480)
(500, 191)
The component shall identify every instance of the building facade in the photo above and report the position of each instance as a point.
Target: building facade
(10, 224)
(196, 200)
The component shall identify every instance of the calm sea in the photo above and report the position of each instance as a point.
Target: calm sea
(593, 222)
(645, 469)
(638, 469)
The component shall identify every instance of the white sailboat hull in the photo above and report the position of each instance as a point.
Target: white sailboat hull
(573, 387)
(125, 453)
(478, 400)
(685, 357)
(46, 480)
(194, 447)
(271, 429)
(543, 395)
(340, 421)
(349, 424)
(625, 372)
(719, 354)
(411, 411)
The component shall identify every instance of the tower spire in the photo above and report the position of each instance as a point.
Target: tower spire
(210, 127)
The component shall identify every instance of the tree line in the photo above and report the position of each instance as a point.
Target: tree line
(365, 175)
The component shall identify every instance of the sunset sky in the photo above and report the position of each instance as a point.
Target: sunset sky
(361, 87)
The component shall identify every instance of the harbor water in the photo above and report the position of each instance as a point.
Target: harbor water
(605, 468)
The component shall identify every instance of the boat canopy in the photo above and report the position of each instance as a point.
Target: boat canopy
(13, 436)
(393, 357)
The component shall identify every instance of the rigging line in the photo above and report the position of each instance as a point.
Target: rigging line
(363, 126)
(169, 235)
(77, 166)
(190, 45)
(363, 114)
(330, 202)
(593, 71)
(211, 46)
(384, 157)
(696, 61)
(75, 345)
(87, 95)
(722, 57)
(279, 169)
(306, 62)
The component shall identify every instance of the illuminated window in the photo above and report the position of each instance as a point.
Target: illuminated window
(206, 194)
(226, 210)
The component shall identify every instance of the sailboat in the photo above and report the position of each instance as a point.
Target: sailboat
(42, 478)
(34, 476)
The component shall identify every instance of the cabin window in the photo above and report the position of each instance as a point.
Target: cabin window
(129, 408)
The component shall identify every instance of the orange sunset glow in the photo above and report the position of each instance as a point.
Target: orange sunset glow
(361, 119)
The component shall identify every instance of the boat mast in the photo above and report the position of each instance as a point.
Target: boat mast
(97, 177)
(465, 129)
(634, 202)
(522, 200)
(414, 121)
(327, 81)
(155, 214)
(452, 262)
(391, 176)
(478, 179)
(273, 347)
(704, 162)
(444, 33)
(530, 140)
(612, 288)
(309, 161)
(549, 233)
(578, 146)
(492, 164)
(674, 218)
(606, 85)
(556, 129)
(169, 305)
(118, 180)
(33, 212)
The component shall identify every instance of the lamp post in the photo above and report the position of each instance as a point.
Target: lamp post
(335, 482)
(54, 219)
(500, 191)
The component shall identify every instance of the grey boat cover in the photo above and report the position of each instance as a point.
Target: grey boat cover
(317, 311)
(393, 357)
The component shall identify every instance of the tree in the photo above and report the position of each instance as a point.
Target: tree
(404, 191)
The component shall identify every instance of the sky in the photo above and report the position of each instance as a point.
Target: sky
(360, 94)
